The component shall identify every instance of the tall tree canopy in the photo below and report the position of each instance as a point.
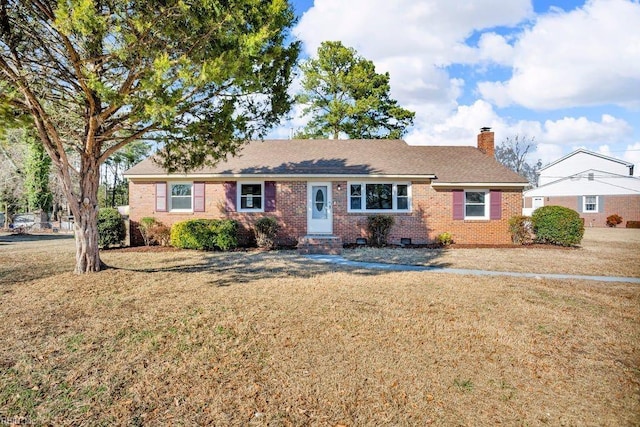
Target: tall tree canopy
(344, 95)
(513, 153)
(95, 75)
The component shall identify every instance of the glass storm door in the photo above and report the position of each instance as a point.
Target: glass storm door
(319, 213)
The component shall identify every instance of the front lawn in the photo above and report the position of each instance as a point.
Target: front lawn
(185, 338)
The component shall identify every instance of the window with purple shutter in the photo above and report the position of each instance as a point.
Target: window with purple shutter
(198, 196)
(161, 196)
(230, 195)
(458, 204)
(495, 198)
(270, 196)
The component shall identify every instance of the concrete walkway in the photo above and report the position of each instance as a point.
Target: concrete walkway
(336, 259)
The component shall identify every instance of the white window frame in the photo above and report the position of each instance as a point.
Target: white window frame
(584, 205)
(487, 204)
(239, 196)
(394, 197)
(170, 195)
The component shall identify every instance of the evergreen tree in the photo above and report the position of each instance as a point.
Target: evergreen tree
(201, 78)
(344, 95)
(37, 168)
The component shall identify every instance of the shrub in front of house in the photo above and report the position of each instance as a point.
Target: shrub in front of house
(445, 239)
(557, 225)
(154, 232)
(111, 228)
(633, 224)
(266, 229)
(520, 229)
(379, 227)
(144, 225)
(614, 220)
(205, 234)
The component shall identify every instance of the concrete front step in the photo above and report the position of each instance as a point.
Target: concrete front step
(320, 244)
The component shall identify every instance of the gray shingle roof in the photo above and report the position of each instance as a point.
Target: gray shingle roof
(350, 158)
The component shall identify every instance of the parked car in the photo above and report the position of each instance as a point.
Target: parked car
(25, 220)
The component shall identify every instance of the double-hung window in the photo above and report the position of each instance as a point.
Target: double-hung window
(379, 196)
(476, 204)
(590, 204)
(181, 197)
(251, 196)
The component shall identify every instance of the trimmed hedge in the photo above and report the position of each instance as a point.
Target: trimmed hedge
(111, 228)
(557, 225)
(205, 234)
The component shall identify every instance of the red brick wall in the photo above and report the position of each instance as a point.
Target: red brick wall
(627, 206)
(431, 214)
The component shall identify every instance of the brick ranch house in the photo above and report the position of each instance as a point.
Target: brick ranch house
(323, 190)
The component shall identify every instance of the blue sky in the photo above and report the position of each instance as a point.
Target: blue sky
(566, 73)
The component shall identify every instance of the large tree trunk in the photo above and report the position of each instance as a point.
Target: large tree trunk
(86, 218)
(86, 231)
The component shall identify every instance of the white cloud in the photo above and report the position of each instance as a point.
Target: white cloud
(461, 127)
(589, 56)
(571, 130)
(414, 40)
(495, 48)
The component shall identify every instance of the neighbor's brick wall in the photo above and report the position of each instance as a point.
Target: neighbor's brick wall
(431, 214)
(627, 206)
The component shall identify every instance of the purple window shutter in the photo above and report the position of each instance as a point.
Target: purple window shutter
(161, 196)
(270, 196)
(458, 204)
(230, 195)
(495, 210)
(198, 196)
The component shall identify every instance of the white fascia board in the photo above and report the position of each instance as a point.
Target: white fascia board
(480, 184)
(276, 177)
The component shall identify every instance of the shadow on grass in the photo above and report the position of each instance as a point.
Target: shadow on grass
(9, 239)
(419, 257)
(238, 268)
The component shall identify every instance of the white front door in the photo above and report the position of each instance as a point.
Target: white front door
(537, 202)
(319, 212)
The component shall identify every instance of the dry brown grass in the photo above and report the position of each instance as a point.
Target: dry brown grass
(184, 338)
(603, 252)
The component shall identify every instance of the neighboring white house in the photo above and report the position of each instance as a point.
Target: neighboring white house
(592, 184)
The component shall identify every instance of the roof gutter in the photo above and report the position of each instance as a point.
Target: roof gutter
(480, 184)
(280, 177)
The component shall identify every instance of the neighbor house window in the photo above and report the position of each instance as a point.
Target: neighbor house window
(181, 197)
(590, 204)
(379, 196)
(476, 204)
(251, 196)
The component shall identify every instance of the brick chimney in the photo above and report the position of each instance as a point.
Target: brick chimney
(486, 141)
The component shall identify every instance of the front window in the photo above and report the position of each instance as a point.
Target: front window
(384, 196)
(590, 204)
(251, 196)
(379, 196)
(181, 197)
(476, 204)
